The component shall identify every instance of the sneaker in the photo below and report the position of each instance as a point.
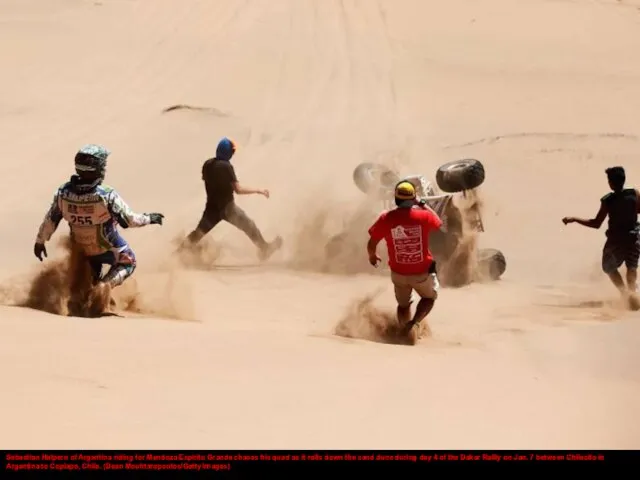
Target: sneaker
(270, 249)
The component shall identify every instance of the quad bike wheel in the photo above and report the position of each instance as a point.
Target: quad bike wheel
(460, 175)
(492, 263)
(375, 179)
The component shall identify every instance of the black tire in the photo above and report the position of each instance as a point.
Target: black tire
(460, 175)
(492, 263)
(375, 179)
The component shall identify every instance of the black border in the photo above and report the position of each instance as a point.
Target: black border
(243, 462)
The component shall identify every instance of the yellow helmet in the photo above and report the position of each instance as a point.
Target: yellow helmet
(405, 194)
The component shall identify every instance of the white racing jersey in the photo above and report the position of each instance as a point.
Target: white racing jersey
(93, 218)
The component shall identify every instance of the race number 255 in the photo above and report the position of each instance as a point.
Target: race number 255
(81, 220)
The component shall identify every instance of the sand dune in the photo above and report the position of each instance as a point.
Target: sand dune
(243, 355)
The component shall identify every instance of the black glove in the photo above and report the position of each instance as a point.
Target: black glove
(156, 218)
(39, 250)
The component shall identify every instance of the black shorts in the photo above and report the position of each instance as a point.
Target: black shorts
(618, 251)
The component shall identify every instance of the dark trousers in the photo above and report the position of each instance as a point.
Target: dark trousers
(235, 216)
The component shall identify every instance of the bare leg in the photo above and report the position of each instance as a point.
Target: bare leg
(617, 280)
(425, 286)
(613, 256)
(632, 279)
(404, 314)
(403, 298)
(634, 301)
(425, 305)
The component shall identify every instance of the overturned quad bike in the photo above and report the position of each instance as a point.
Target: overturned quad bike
(458, 262)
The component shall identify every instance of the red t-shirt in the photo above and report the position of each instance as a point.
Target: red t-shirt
(406, 232)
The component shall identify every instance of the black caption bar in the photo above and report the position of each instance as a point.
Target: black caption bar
(270, 460)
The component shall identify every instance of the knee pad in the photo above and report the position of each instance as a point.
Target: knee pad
(118, 274)
(126, 257)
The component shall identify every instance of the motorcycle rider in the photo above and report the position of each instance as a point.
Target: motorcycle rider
(93, 211)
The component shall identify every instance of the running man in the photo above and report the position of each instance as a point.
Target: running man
(623, 242)
(221, 184)
(94, 211)
(406, 231)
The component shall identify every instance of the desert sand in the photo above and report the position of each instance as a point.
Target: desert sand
(238, 354)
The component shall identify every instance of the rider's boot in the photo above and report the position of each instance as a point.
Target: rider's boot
(100, 299)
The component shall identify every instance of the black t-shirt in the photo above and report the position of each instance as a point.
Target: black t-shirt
(623, 213)
(219, 177)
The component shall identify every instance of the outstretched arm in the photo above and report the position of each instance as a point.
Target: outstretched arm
(595, 222)
(242, 190)
(50, 222)
(124, 215)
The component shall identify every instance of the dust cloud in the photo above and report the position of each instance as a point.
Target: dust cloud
(64, 286)
(332, 239)
(463, 266)
(364, 320)
(201, 256)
